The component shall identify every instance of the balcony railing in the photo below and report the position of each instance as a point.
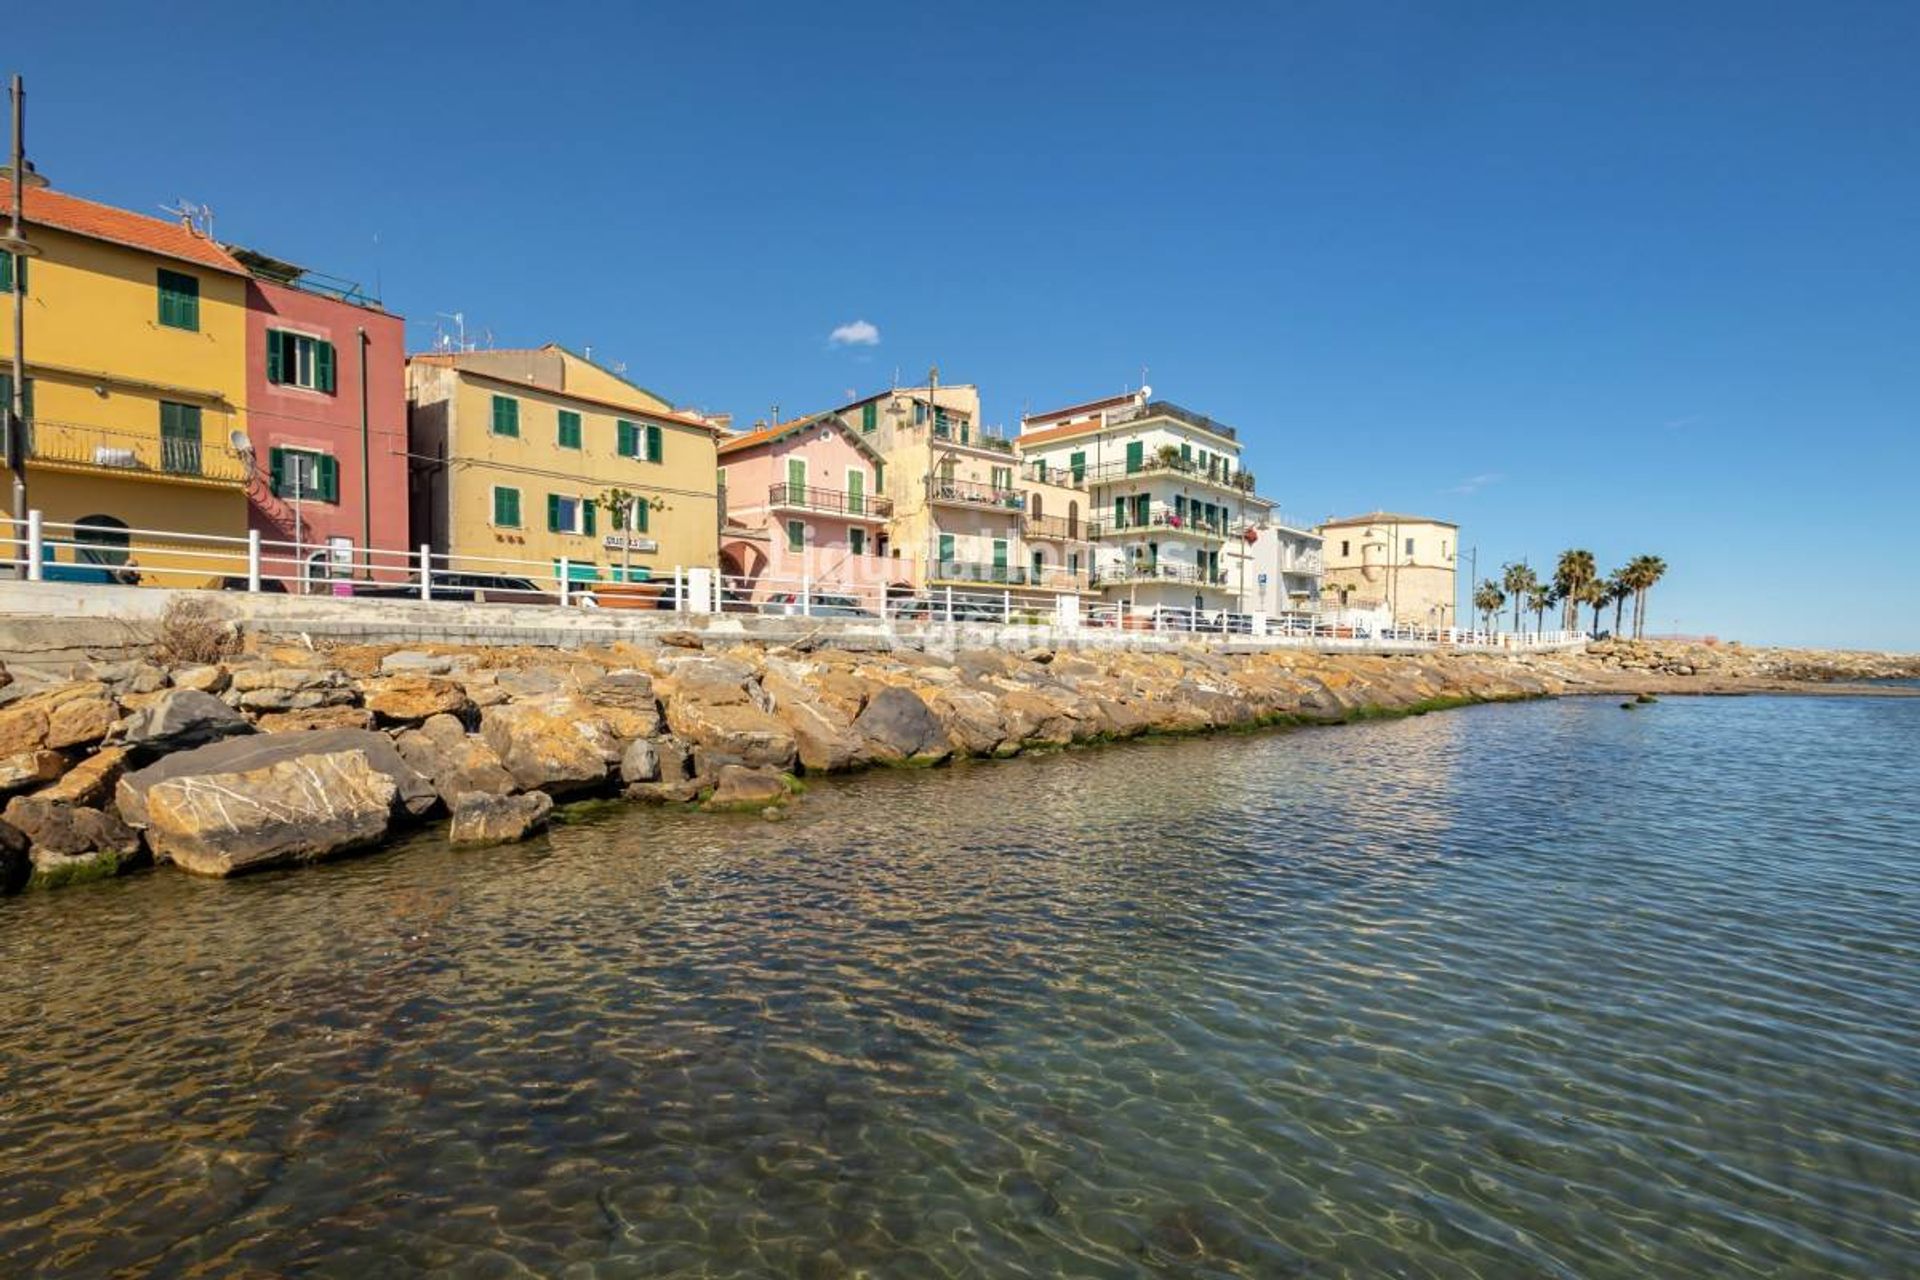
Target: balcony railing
(1065, 477)
(833, 502)
(132, 453)
(1158, 571)
(1217, 471)
(971, 437)
(1005, 575)
(1167, 520)
(1056, 528)
(971, 494)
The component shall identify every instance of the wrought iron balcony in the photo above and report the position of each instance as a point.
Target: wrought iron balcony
(72, 446)
(833, 502)
(970, 437)
(999, 575)
(1056, 528)
(967, 493)
(1158, 571)
(1218, 472)
(1166, 520)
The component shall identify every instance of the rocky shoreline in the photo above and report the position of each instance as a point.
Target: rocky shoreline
(289, 754)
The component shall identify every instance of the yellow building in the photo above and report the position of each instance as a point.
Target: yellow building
(513, 449)
(136, 347)
(1404, 564)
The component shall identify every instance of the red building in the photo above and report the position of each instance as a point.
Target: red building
(327, 414)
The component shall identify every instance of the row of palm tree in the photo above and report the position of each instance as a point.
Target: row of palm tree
(1576, 584)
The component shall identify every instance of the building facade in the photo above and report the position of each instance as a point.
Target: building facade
(327, 411)
(514, 452)
(136, 363)
(1285, 566)
(1403, 564)
(806, 501)
(1170, 506)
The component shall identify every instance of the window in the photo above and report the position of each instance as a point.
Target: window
(869, 415)
(11, 263)
(857, 541)
(1073, 563)
(568, 514)
(1000, 559)
(179, 301)
(856, 492)
(1078, 464)
(101, 540)
(305, 474)
(1119, 513)
(1003, 478)
(637, 515)
(297, 360)
(1142, 508)
(567, 431)
(1039, 564)
(1346, 548)
(1136, 455)
(180, 438)
(506, 507)
(506, 416)
(796, 479)
(640, 440)
(1036, 505)
(946, 548)
(919, 412)
(1409, 547)
(26, 396)
(796, 535)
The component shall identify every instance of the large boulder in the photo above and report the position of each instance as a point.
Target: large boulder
(640, 762)
(410, 699)
(293, 810)
(16, 863)
(739, 789)
(479, 818)
(278, 688)
(23, 769)
(182, 718)
(414, 796)
(456, 761)
(71, 842)
(823, 734)
(715, 704)
(314, 719)
(545, 750)
(90, 782)
(899, 728)
(73, 714)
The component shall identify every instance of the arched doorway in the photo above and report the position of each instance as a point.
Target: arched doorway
(101, 539)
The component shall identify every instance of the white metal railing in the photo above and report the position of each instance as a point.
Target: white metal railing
(41, 550)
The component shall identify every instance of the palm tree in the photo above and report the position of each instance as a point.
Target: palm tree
(1596, 595)
(1540, 598)
(1489, 600)
(1644, 571)
(1518, 581)
(1619, 588)
(1570, 578)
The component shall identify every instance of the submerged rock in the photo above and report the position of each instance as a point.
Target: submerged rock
(739, 788)
(480, 818)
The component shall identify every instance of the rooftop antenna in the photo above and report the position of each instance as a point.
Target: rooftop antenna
(587, 351)
(197, 218)
(459, 319)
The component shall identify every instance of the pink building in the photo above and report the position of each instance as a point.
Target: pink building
(327, 414)
(805, 502)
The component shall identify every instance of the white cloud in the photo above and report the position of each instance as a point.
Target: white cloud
(858, 334)
(1474, 484)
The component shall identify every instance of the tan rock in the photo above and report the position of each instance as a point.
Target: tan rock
(314, 719)
(479, 818)
(91, 781)
(296, 810)
(741, 789)
(23, 769)
(410, 699)
(544, 750)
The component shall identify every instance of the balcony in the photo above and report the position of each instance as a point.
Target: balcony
(1217, 472)
(968, 493)
(72, 446)
(1157, 571)
(1055, 528)
(970, 437)
(1167, 521)
(999, 575)
(1064, 477)
(831, 502)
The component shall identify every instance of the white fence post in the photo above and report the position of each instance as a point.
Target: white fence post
(566, 579)
(679, 589)
(700, 590)
(36, 538)
(1006, 606)
(806, 594)
(426, 572)
(253, 561)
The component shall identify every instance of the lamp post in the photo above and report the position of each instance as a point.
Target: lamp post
(19, 176)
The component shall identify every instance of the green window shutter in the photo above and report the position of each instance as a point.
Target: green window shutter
(506, 507)
(629, 442)
(6, 272)
(273, 356)
(946, 548)
(796, 536)
(506, 416)
(323, 367)
(856, 492)
(640, 513)
(656, 448)
(1136, 455)
(569, 429)
(796, 479)
(1140, 508)
(879, 477)
(553, 513)
(1078, 462)
(1000, 555)
(179, 300)
(869, 415)
(1119, 512)
(277, 471)
(588, 522)
(329, 478)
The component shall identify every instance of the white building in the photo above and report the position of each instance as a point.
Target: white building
(1171, 507)
(1285, 565)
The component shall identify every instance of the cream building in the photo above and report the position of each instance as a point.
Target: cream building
(513, 449)
(1404, 564)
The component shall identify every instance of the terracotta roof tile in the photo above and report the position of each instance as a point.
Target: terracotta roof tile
(1026, 438)
(1384, 517)
(119, 226)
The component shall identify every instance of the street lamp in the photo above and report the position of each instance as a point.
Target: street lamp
(15, 242)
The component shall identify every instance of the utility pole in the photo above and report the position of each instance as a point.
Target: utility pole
(15, 243)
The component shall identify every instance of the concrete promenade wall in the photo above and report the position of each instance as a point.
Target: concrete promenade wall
(50, 622)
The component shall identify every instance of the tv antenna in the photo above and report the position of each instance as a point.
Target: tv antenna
(197, 218)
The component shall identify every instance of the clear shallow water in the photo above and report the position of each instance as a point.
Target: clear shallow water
(1542, 990)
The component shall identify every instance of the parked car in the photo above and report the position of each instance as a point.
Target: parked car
(464, 588)
(818, 605)
(933, 609)
(238, 582)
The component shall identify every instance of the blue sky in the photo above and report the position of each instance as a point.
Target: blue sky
(1629, 277)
